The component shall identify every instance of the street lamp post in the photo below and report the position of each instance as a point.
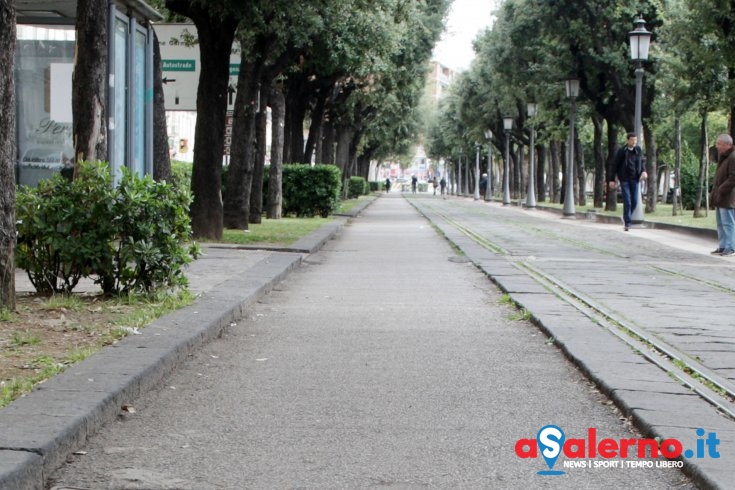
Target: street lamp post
(507, 125)
(532, 109)
(477, 171)
(572, 86)
(489, 190)
(640, 41)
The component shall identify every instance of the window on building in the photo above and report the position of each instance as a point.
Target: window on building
(43, 71)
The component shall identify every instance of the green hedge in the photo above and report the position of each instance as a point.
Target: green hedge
(311, 191)
(131, 238)
(356, 187)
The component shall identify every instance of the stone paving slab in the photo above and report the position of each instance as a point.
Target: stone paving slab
(605, 267)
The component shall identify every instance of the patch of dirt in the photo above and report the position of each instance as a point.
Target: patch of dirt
(48, 333)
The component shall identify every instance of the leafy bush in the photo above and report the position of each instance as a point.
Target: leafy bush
(64, 227)
(152, 229)
(181, 174)
(376, 186)
(356, 187)
(310, 191)
(690, 183)
(131, 238)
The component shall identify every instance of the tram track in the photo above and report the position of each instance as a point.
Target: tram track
(689, 372)
(683, 368)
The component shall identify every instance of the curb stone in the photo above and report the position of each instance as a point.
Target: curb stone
(41, 429)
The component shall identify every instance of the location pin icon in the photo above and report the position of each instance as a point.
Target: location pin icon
(550, 440)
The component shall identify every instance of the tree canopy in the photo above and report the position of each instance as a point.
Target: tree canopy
(534, 46)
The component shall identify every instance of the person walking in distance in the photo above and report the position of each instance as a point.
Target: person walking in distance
(443, 187)
(722, 196)
(629, 169)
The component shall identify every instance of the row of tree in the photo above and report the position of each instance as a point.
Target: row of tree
(352, 72)
(535, 45)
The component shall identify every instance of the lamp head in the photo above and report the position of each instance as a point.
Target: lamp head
(572, 86)
(532, 109)
(640, 40)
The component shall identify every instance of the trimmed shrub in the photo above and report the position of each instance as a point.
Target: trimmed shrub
(64, 228)
(130, 238)
(151, 244)
(356, 187)
(310, 191)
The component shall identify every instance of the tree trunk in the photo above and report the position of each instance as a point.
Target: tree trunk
(161, 155)
(7, 154)
(579, 171)
(275, 180)
(90, 82)
(703, 164)
(541, 155)
(344, 137)
(466, 189)
(651, 170)
(296, 105)
(315, 128)
(216, 34)
(600, 175)
(256, 189)
(363, 167)
(677, 206)
(611, 203)
(516, 184)
(555, 170)
(326, 155)
(242, 152)
(354, 145)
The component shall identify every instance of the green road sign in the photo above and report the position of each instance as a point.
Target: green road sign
(178, 65)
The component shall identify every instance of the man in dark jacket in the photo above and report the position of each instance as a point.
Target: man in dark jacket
(722, 196)
(629, 169)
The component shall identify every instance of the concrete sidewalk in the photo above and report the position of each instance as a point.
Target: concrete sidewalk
(39, 431)
(386, 359)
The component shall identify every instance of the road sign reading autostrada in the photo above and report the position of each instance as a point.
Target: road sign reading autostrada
(178, 65)
(180, 55)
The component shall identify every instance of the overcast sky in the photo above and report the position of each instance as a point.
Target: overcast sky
(466, 19)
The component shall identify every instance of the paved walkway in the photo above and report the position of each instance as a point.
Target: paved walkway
(385, 358)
